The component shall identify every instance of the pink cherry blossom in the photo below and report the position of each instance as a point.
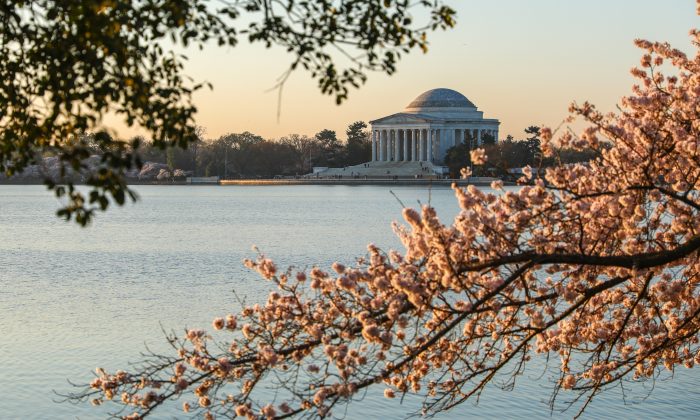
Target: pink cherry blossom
(594, 266)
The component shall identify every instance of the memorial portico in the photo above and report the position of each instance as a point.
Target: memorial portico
(435, 121)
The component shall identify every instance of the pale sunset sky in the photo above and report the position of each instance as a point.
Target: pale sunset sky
(520, 61)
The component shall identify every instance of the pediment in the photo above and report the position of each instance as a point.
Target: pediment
(403, 118)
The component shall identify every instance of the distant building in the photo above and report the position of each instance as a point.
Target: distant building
(435, 121)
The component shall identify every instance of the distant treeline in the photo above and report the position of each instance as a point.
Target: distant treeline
(511, 153)
(247, 155)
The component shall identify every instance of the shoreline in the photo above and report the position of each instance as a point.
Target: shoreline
(358, 182)
(130, 182)
(277, 182)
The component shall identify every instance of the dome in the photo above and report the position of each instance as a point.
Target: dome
(441, 98)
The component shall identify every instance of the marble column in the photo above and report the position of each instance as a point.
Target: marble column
(382, 144)
(429, 154)
(407, 145)
(426, 144)
(388, 145)
(420, 145)
(374, 145)
(414, 145)
(399, 143)
(396, 145)
(437, 143)
(392, 136)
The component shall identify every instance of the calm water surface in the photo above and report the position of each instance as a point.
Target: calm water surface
(72, 299)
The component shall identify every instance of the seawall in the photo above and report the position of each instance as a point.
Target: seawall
(352, 181)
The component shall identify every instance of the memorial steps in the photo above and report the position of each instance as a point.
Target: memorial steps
(382, 170)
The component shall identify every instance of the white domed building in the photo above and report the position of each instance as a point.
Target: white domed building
(435, 121)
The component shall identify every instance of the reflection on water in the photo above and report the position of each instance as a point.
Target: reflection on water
(72, 299)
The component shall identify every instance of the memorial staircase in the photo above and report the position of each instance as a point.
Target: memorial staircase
(383, 170)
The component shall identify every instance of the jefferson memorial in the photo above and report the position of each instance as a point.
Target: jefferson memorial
(435, 121)
(413, 143)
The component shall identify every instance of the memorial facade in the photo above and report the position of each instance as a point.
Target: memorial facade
(435, 121)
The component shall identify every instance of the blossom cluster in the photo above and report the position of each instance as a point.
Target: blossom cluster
(595, 264)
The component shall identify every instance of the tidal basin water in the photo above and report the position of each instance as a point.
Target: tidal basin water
(72, 299)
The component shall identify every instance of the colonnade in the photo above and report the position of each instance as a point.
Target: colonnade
(420, 144)
(404, 145)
